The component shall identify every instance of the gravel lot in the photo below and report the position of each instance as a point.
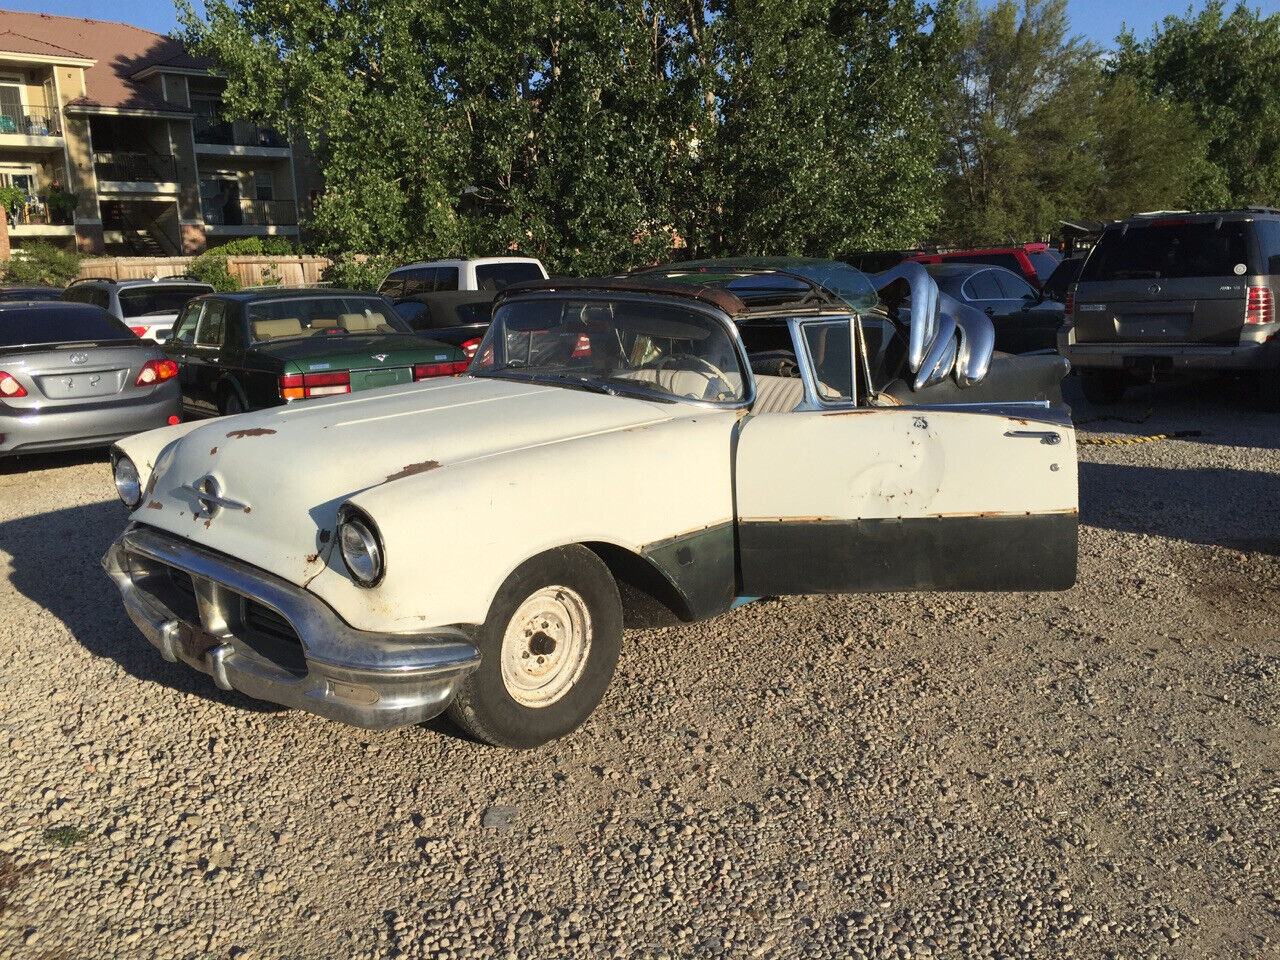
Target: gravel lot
(1091, 774)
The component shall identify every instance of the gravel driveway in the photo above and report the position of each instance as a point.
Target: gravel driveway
(1090, 774)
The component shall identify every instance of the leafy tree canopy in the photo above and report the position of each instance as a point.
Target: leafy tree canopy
(596, 135)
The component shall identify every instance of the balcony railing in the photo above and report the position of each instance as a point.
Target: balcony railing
(30, 120)
(29, 125)
(251, 213)
(228, 134)
(136, 167)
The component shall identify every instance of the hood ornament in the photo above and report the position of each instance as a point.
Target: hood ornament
(381, 357)
(209, 497)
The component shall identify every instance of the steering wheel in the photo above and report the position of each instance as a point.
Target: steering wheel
(715, 376)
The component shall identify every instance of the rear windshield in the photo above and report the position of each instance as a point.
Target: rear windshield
(499, 276)
(19, 327)
(171, 298)
(1169, 250)
(322, 316)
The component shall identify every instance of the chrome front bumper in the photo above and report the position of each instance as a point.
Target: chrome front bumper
(257, 633)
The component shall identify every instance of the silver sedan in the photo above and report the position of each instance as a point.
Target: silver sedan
(71, 376)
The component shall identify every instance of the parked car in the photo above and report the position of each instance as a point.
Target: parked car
(440, 276)
(1034, 262)
(72, 375)
(268, 345)
(1168, 293)
(29, 294)
(456, 317)
(478, 544)
(148, 307)
(1024, 320)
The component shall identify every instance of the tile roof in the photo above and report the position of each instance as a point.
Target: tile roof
(121, 52)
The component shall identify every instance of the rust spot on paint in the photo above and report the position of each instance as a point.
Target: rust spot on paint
(1021, 420)
(155, 505)
(413, 468)
(151, 486)
(248, 509)
(312, 557)
(213, 451)
(254, 432)
(207, 522)
(324, 536)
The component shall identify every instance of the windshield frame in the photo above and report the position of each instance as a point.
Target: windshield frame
(636, 389)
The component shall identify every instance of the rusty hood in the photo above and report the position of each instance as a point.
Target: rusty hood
(277, 477)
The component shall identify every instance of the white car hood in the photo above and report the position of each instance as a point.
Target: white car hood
(291, 468)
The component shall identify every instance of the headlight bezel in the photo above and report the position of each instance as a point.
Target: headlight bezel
(118, 460)
(354, 519)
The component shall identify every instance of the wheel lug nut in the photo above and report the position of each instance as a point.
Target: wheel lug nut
(542, 659)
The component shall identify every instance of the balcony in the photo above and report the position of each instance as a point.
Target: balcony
(224, 136)
(136, 168)
(31, 124)
(35, 219)
(251, 217)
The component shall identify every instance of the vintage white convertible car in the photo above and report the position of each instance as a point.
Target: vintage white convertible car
(610, 461)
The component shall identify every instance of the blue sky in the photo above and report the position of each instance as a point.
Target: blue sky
(1098, 20)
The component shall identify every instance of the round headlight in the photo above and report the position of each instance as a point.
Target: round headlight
(128, 483)
(361, 548)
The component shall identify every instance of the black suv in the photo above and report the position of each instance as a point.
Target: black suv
(1169, 292)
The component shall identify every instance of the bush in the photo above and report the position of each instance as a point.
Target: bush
(355, 271)
(42, 264)
(211, 267)
(257, 247)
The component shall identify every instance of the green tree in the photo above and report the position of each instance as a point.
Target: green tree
(593, 135)
(1017, 149)
(1225, 69)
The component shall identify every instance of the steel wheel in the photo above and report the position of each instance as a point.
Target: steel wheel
(546, 646)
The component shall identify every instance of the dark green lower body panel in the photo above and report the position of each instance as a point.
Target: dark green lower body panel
(1035, 552)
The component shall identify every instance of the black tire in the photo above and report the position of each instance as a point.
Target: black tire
(1103, 386)
(485, 707)
(1267, 386)
(229, 404)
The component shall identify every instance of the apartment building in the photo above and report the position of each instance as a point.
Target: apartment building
(112, 140)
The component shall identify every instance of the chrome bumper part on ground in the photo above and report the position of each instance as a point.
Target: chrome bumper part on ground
(270, 639)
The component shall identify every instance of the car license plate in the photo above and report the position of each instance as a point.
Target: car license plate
(372, 379)
(98, 383)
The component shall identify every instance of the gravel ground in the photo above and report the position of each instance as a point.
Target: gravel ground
(1091, 773)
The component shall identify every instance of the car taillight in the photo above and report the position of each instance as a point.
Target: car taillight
(139, 331)
(9, 387)
(469, 347)
(1069, 307)
(421, 371)
(1261, 308)
(583, 347)
(301, 386)
(156, 371)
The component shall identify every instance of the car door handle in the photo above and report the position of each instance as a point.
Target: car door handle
(1044, 436)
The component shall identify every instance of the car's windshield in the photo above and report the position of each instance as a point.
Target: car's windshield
(757, 278)
(158, 299)
(614, 345)
(80, 324)
(322, 316)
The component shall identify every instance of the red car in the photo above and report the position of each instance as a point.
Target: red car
(1035, 261)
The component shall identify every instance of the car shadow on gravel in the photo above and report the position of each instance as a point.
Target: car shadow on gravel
(1225, 411)
(56, 564)
(31, 463)
(1217, 506)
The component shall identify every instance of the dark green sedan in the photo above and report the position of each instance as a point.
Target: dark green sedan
(262, 347)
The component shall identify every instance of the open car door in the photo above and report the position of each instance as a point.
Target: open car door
(836, 498)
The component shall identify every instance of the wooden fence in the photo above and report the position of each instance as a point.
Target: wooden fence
(251, 271)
